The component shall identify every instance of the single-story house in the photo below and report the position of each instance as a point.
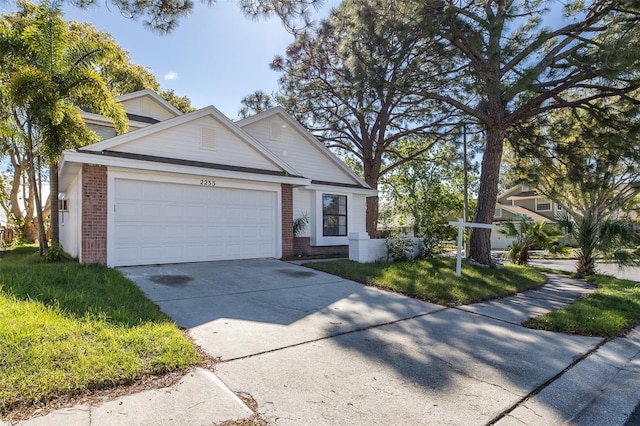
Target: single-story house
(200, 187)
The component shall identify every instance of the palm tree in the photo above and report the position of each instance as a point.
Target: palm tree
(601, 239)
(530, 234)
(54, 74)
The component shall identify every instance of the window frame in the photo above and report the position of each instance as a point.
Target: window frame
(548, 202)
(337, 215)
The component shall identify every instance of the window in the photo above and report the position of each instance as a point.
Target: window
(498, 213)
(334, 215)
(543, 204)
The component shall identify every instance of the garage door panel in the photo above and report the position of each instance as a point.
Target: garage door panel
(174, 211)
(164, 223)
(195, 213)
(177, 193)
(172, 233)
(128, 190)
(194, 232)
(148, 253)
(215, 232)
(233, 233)
(125, 253)
(265, 233)
(215, 212)
(175, 252)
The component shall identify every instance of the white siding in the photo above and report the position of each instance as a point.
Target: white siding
(296, 151)
(185, 142)
(147, 107)
(71, 221)
(359, 214)
(301, 206)
(105, 132)
(499, 241)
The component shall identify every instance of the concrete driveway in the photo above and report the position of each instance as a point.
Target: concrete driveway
(311, 348)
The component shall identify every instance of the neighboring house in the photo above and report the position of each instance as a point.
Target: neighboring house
(517, 202)
(199, 187)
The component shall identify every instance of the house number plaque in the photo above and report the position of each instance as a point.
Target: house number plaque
(207, 182)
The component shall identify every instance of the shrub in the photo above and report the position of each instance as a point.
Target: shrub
(54, 253)
(400, 247)
(300, 224)
(429, 247)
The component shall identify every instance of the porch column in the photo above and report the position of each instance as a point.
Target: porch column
(94, 214)
(287, 219)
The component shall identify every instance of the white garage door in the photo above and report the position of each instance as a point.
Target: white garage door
(170, 223)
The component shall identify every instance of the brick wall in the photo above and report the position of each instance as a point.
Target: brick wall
(94, 214)
(287, 219)
(302, 246)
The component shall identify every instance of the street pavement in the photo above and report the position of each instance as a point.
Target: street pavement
(310, 348)
(569, 265)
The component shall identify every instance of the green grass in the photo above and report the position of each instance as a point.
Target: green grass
(435, 280)
(612, 310)
(66, 328)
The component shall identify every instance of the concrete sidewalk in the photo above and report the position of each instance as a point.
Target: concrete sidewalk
(311, 348)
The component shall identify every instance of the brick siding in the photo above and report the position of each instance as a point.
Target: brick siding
(287, 219)
(302, 246)
(94, 214)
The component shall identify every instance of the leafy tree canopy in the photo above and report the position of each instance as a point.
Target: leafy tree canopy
(509, 64)
(351, 82)
(256, 103)
(429, 191)
(586, 160)
(165, 15)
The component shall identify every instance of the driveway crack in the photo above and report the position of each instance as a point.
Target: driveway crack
(331, 336)
(544, 385)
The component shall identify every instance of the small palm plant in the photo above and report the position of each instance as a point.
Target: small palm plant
(529, 235)
(607, 239)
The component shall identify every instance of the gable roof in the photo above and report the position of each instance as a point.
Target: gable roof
(112, 143)
(513, 190)
(518, 210)
(310, 138)
(146, 93)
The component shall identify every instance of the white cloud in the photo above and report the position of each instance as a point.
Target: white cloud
(171, 76)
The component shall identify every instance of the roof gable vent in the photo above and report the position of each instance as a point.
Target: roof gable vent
(276, 131)
(208, 138)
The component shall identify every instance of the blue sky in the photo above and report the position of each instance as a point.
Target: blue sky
(215, 57)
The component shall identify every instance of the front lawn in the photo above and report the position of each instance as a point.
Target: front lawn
(612, 310)
(435, 279)
(66, 328)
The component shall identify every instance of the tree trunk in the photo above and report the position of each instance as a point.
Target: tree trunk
(480, 243)
(372, 217)
(29, 231)
(371, 168)
(42, 235)
(55, 224)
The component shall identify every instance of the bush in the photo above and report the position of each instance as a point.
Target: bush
(429, 247)
(54, 253)
(400, 247)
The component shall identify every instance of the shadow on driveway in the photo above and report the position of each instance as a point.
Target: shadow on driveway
(312, 348)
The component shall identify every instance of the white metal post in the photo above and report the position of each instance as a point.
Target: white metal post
(461, 224)
(459, 258)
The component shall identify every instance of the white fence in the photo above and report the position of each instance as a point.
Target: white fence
(365, 250)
